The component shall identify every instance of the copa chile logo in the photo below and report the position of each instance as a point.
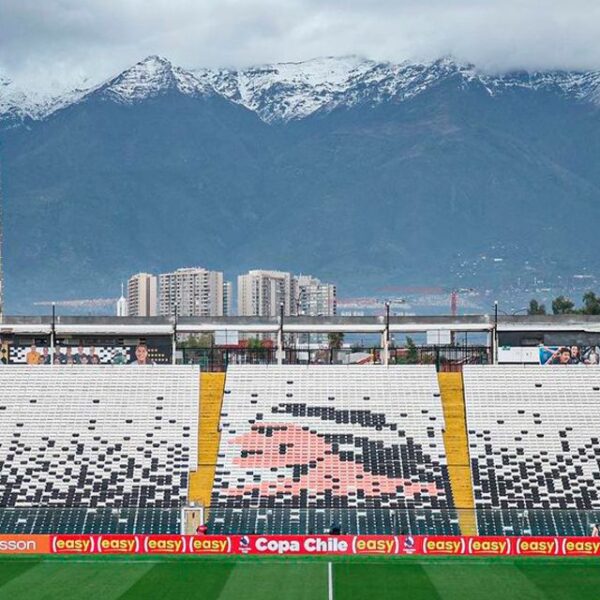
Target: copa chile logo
(244, 544)
(408, 545)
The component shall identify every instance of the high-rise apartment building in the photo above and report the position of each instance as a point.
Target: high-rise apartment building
(192, 292)
(314, 297)
(227, 299)
(142, 295)
(260, 293)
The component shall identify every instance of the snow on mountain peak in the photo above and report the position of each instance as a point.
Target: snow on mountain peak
(294, 90)
(150, 77)
(285, 91)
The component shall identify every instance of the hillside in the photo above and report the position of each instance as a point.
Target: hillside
(364, 173)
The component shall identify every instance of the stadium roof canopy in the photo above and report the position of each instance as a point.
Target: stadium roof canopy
(141, 326)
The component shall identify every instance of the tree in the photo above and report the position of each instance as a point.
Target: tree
(412, 354)
(335, 340)
(591, 304)
(204, 340)
(535, 308)
(562, 305)
(255, 344)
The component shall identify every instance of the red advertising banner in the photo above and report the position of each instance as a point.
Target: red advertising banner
(297, 545)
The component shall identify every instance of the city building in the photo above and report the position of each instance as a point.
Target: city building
(142, 295)
(260, 293)
(314, 297)
(227, 299)
(122, 306)
(192, 292)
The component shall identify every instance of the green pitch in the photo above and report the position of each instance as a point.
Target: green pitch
(249, 578)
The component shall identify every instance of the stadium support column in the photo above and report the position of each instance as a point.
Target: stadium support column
(280, 336)
(53, 334)
(386, 336)
(495, 335)
(174, 341)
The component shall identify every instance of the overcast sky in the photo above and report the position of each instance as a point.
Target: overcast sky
(62, 42)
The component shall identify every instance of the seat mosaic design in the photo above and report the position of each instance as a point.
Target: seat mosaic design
(86, 449)
(306, 447)
(534, 443)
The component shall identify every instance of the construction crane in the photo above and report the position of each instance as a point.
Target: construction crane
(431, 290)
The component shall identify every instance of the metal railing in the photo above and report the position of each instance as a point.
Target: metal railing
(445, 358)
(303, 521)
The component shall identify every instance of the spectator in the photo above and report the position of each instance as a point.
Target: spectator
(575, 356)
(595, 531)
(81, 357)
(118, 358)
(201, 529)
(69, 356)
(91, 356)
(141, 355)
(45, 356)
(33, 357)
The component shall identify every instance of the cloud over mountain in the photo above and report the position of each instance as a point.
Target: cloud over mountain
(67, 42)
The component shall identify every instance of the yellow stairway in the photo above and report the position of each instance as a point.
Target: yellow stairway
(211, 397)
(457, 449)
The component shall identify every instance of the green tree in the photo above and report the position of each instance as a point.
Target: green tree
(255, 344)
(204, 340)
(412, 354)
(335, 340)
(591, 304)
(535, 308)
(562, 305)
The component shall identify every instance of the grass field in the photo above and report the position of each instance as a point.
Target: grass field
(250, 578)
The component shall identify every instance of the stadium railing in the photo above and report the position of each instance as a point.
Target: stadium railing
(301, 521)
(446, 358)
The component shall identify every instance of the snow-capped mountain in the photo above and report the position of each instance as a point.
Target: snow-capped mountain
(149, 78)
(289, 91)
(362, 172)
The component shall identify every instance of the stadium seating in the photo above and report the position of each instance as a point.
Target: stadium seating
(96, 449)
(303, 448)
(534, 442)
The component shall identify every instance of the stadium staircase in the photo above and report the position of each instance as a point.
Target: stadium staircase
(457, 449)
(211, 398)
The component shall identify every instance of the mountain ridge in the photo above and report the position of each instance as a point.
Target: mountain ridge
(282, 92)
(370, 176)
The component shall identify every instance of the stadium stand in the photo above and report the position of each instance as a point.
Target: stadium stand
(457, 450)
(211, 398)
(534, 440)
(96, 449)
(303, 448)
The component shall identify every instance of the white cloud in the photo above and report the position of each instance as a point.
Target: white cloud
(63, 42)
